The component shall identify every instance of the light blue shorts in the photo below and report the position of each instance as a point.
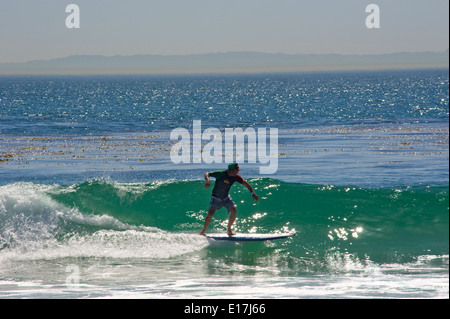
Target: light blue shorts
(217, 203)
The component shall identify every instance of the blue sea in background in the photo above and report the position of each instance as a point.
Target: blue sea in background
(87, 183)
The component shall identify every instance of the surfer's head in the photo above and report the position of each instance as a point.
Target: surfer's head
(233, 168)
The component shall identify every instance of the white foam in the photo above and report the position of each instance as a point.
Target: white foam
(34, 226)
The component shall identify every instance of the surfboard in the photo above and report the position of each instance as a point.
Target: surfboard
(249, 237)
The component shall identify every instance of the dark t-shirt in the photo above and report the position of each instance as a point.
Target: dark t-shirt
(223, 183)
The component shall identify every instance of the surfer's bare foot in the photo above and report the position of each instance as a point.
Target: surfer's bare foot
(231, 233)
(202, 233)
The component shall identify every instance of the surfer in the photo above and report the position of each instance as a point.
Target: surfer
(220, 196)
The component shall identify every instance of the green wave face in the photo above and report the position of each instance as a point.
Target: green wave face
(334, 225)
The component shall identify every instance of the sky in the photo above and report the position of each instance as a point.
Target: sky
(36, 29)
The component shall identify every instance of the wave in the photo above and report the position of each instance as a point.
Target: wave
(34, 224)
(102, 218)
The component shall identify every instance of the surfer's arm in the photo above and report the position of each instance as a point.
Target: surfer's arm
(207, 182)
(250, 188)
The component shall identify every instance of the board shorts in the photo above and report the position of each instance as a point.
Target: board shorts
(217, 203)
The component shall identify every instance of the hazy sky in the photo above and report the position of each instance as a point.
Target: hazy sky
(36, 29)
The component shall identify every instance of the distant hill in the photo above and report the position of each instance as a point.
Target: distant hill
(231, 62)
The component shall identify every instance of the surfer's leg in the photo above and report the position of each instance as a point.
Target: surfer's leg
(208, 219)
(231, 219)
(214, 205)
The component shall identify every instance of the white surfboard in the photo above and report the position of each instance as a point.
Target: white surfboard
(249, 237)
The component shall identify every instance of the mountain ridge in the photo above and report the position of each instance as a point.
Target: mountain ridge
(225, 62)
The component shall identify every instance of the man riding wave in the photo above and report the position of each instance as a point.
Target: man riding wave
(220, 196)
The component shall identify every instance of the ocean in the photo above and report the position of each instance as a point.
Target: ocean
(92, 204)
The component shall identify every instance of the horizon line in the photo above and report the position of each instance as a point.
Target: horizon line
(232, 62)
(221, 52)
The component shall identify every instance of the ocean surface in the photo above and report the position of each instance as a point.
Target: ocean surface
(92, 204)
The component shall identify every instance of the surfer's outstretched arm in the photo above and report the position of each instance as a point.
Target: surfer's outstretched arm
(250, 188)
